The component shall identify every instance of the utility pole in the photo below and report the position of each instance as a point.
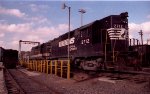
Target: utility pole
(141, 34)
(141, 55)
(69, 9)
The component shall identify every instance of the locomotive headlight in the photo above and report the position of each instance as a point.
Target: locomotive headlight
(124, 21)
(124, 18)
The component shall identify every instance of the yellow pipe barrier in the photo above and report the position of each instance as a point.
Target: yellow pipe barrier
(29, 64)
(55, 67)
(47, 65)
(61, 68)
(38, 66)
(41, 66)
(51, 67)
(68, 70)
(39, 63)
(33, 65)
(44, 66)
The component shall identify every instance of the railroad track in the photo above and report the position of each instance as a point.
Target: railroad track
(17, 82)
(11, 84)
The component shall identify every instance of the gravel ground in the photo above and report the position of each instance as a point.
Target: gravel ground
(2, 83)
(91, 86)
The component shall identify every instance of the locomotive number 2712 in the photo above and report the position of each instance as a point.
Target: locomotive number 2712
(118, 26)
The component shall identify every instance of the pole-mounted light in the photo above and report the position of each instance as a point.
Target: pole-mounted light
(82, 11)
(69, 8)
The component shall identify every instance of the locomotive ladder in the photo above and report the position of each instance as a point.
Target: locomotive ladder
(114, 53)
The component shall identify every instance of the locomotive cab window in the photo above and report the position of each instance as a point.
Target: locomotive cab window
(85, 32)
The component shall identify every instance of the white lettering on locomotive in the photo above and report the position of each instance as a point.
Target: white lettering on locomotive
(65, 42)
(73, 47)
(118, 26)
(72, 40)
(85, 41)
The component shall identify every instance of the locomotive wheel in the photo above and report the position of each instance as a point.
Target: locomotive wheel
(77, 63)
(100, 61)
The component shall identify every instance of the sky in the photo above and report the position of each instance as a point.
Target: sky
(44, 20)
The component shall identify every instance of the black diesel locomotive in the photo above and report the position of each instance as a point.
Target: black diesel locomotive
(91, 46)
(9, 57)
(42, 51)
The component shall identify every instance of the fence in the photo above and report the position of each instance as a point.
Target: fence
(58, 67)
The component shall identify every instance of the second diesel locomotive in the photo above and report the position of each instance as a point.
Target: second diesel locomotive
(91, 45)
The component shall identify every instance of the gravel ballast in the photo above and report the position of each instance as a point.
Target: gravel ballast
(91, 86)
